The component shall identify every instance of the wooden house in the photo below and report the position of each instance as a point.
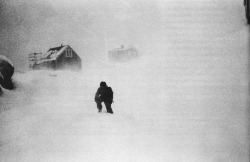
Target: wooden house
(62, 57)
(122, 53)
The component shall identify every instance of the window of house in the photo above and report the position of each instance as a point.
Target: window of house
(69, 53)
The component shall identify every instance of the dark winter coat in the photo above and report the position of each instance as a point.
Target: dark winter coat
(100, 95)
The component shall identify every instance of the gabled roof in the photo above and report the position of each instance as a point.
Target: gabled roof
(54, 53)
(56, 48)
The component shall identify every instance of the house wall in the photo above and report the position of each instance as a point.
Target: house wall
(46, 65)
(73, 62)
(125, 54)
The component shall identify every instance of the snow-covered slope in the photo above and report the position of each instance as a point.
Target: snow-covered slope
(185, 99)
(163, 112)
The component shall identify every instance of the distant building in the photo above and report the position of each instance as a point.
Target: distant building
(61, 57)
(123, 53)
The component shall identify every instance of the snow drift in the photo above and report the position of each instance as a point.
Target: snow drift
(185, 99)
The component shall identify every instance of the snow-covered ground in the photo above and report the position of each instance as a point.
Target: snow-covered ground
(184, 100)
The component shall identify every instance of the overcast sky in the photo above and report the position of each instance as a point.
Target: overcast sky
(94, 27)
(90, 27)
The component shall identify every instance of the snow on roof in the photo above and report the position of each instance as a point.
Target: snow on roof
(54, 53)
(45, 60)
(56, 48)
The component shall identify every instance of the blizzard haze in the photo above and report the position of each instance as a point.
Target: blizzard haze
(185, 99)
(92, 28)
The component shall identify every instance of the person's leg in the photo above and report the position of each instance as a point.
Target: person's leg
(108, 107)
(99, 106)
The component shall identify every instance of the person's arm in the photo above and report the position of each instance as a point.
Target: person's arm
(97, 94)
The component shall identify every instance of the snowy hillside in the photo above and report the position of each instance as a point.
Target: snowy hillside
(184, 100)
(163, 112)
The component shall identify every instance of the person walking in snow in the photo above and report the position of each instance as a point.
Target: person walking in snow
(104, 94)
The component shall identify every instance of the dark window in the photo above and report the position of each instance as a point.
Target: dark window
(69, 53)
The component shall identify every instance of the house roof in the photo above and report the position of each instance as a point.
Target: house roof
(56, 48)
(118, 49)
(54, 53)
(123, 49)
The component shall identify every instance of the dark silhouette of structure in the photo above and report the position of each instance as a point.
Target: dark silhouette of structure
(61, 57)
